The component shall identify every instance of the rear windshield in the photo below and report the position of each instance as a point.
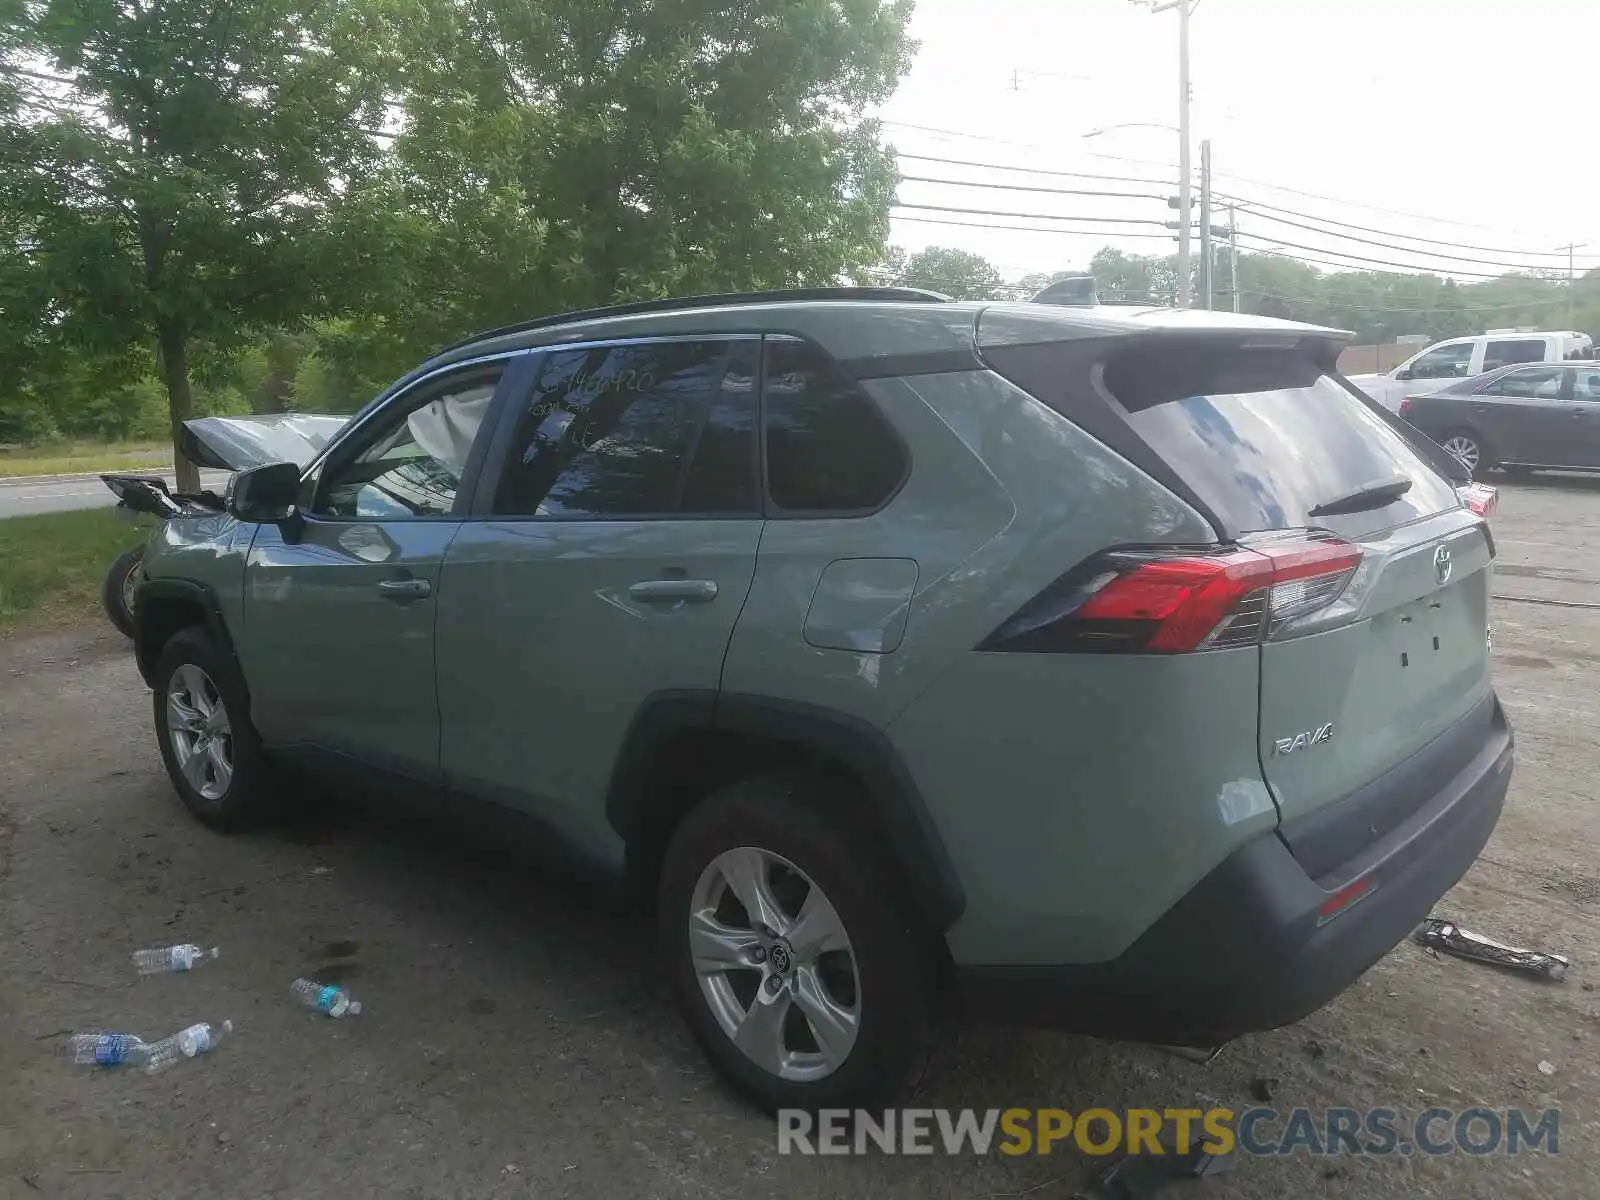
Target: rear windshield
(1263, 438)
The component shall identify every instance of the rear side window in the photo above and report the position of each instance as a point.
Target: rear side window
(1533, 383)
(1503, 354)
(639, 429)
(828, 448)
(1264, 437)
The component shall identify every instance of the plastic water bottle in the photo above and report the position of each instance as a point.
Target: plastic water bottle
(171, 958)
(107, 1049)
(186, 1043)
(336, 1002)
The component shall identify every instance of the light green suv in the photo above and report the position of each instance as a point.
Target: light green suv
(1121, 671)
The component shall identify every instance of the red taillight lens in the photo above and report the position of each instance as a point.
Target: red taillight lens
(1480, 499)
(1153, 602)
(1405, 405)
(1341, 900)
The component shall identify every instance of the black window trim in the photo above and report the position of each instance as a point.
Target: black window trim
(772, 509)
(335, 452)
(508, 416)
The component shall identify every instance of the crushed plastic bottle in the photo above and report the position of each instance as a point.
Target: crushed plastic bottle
(171, 958)
(336, 1002)
(106, 1049)
(186, 1043)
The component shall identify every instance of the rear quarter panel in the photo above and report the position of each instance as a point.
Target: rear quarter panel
(1078, 795)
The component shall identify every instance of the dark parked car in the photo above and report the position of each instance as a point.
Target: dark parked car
(1521, 416)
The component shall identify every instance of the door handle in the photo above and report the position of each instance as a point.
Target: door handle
(401, 590)
(698, 591)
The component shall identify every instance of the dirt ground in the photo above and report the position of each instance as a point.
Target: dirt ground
(516, 1042)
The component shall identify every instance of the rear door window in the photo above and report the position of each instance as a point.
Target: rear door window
(640, 429)
(1265, 437)
(1521, 350)
(1531, 383)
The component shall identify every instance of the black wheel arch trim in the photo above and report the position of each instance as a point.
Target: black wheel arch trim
(909, 830)
(186, 591)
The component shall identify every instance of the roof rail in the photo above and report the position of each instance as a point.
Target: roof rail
(885, 295)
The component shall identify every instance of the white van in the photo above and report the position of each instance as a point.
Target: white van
(1463, 357)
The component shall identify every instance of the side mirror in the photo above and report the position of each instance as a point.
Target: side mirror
(1406, 373)
(264, 495)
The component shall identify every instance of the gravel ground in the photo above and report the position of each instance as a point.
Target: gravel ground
(516, 1042)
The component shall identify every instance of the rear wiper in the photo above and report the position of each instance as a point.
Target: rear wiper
(1369, 495)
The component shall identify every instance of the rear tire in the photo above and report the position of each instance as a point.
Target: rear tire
(834, 1021)
(209, 747)
(116, 594)
(1469, 449)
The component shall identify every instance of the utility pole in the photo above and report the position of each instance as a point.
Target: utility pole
(1572, 275)
(1233, 253)
(1207, 256)
(1185, 199)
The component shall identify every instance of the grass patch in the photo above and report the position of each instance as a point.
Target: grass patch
(73, 458)
(52, 566)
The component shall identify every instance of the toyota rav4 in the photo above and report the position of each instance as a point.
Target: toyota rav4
(1111, 670)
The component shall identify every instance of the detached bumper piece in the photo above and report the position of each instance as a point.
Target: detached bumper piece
(1259, 942)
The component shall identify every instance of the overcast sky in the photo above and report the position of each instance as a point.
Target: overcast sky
(1481, 117)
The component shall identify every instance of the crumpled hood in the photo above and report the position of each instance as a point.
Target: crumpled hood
(235, 443)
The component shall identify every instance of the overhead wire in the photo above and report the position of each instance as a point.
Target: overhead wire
(1028, 228)
(992, 212)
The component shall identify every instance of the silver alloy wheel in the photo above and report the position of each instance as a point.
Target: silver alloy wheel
(1465, 449)
(775, 964)
(130, 585)
(202, 738)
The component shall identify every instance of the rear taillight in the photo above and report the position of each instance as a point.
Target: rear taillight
(1148, 601)
(1405, 406)
(1479, 498)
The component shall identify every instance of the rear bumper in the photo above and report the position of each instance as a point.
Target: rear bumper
(1243, 951)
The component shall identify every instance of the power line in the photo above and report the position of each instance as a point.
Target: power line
(992, 212)
(1358, 262)
(1017, 187)
(1264, 208)
(1419, 251)
(1259, 206)
(967, 162)
(979, 137)
(1027, 228)
(1276, 187)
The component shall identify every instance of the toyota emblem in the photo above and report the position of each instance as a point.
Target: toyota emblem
(1441, 563)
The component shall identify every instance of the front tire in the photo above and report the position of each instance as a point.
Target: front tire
(116, 594)
(1469, 449)
(796, 972)
(210, 749)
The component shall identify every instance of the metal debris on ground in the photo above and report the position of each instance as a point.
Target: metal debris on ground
(1140, 1176)
(1448, 936)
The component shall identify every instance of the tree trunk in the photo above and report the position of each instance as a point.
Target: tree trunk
(174, 347)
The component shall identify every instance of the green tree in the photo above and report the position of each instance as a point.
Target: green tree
(571, 154)
(957, 273)
(175, 182)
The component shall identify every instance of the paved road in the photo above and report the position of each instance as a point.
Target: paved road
(54, 493)
(515, 1042)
